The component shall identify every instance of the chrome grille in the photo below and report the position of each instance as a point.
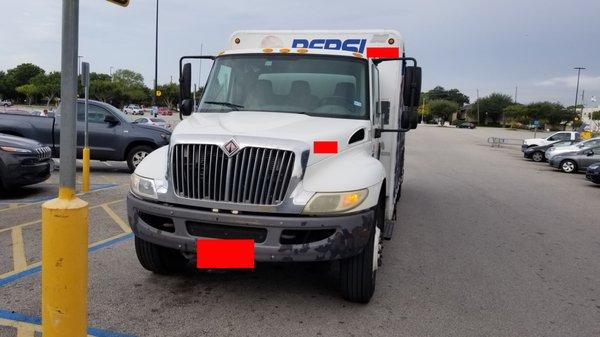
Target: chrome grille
(43, 153)
(253, 175)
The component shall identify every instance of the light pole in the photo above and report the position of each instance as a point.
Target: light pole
(110, 72)
(155, 57)
(478, 120)
(579, 69)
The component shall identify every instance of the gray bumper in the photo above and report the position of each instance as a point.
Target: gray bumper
(350, 233)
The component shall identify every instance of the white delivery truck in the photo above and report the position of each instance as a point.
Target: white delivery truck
(296, 144)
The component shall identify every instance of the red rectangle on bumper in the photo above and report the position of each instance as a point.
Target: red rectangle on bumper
(325, 146)
(219, 254)
(383, 52)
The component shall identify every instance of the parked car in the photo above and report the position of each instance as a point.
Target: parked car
(112, 135)
(563, 135)
(6, 103)
(537, 153)
(466, 125)
(133, 109)
(165, 111)
(153, 121)
(23, 162)
(593, 173)
(571, 162)
(593, 142)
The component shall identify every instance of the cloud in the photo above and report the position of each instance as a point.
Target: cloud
(589, 82)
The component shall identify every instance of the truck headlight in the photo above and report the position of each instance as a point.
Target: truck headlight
(143, 187)
(335, 202)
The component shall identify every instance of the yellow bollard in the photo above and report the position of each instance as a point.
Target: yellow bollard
(85, 186)
(64, 265)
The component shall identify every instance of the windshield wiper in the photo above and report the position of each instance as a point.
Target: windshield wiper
(227, 104)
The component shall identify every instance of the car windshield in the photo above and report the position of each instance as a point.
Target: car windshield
(315, 85)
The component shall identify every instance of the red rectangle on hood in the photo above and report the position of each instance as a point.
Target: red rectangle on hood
(220, 254)
(325, 146)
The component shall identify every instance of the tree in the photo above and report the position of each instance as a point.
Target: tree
(105, 90)
(48, 86)
(453, 95)
(517, 114)
(169, 95)
(491, 108)
(29, 91)
(131, 86)
(443, 109)
(128, 78)
(550, 113)
(19, 76)
(3, 85)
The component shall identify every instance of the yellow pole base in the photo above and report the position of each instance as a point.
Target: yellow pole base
(85, 186)
(64, 265)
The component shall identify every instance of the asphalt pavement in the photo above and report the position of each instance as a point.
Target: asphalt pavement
(487, 244)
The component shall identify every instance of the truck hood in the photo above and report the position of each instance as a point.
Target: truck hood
(274, 125)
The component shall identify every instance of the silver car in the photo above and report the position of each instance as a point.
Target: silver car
(574, 161)
(153, 121)
(554, 151)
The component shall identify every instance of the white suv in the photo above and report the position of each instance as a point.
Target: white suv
(563, 135)
(133, 109)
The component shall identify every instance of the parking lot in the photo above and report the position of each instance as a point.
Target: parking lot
(486, 244)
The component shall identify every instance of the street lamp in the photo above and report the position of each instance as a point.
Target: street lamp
(155, 57)
(110, 72)
(579, 69)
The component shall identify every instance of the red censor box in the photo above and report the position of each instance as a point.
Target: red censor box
(323, 146)
(224, 254)
(383, 52)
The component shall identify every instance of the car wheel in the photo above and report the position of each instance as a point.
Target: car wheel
(358, 273)
(568, 166)
(136, 155)
(158, 259)
(538, 156)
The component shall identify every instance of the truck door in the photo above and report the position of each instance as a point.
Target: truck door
(103, 137)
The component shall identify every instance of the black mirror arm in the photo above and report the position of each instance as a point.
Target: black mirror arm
(378, 131)
(412, 59)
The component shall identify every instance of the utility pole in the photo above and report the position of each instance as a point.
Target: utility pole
(110, 72)
(579, 69)
(155, 58)
(65, 219)
(516, 91)
(478, 107)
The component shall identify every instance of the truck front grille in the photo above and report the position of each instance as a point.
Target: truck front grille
(253, 175)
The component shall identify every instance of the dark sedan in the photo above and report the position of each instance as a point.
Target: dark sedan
(593, 173)
(571, 162)
(466, 125)
(23, 162)
(536, 153)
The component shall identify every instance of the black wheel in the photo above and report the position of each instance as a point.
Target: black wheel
(358, 273)
(537, 156)
(568, 166)
(136, 155)
(158, 259)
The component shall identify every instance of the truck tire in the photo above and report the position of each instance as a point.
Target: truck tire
(136, 155)
(158, 259)
(357, 273)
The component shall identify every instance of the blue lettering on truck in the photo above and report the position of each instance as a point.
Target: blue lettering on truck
(353, 45)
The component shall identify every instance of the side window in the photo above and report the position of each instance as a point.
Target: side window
(96, 114)
(140, 120)
(596, 151)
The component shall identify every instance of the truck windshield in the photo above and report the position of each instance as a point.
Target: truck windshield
(316, 85)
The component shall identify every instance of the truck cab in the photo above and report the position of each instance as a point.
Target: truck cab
(297, 144)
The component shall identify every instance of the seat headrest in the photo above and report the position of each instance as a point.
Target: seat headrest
(300, 88)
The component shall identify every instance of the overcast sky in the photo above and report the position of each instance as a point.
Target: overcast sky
(490, 45)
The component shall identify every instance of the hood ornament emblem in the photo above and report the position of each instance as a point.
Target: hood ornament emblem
(231, 147)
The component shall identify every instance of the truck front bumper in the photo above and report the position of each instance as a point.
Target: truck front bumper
(276, 238)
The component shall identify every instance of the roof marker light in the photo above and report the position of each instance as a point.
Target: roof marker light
(302, 50)
(357, 55)
(267, 50)
(284, 50)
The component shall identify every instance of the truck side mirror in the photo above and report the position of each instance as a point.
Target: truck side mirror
(186, 105)
(411, 94)
(110, 119)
